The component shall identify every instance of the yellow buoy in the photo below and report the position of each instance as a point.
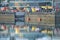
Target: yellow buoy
(33, 28)
(17, 30)
(33, 10)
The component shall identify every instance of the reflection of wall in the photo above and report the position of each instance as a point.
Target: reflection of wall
(57, 0)
(7, 18)
(46, 19)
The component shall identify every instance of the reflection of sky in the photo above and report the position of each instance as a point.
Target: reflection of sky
(21, 39)
(5, 38)
(20, 13)
(31, 4)
(20, 23)
(4, 3)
